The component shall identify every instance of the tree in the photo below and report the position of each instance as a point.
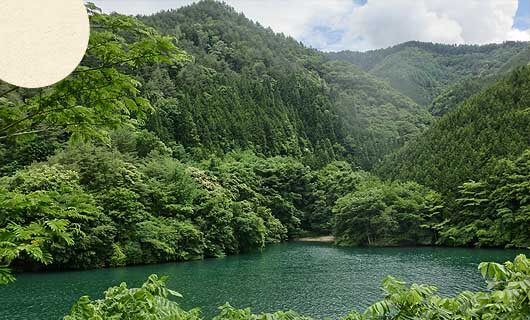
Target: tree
(329, 184)
(380, 213)
(494, 211)
(102, 92)
(43, 211)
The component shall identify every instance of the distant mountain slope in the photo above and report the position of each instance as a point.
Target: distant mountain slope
(423, 71)
(459, 91)
(466, 142)
(251, 88)
(376, 118)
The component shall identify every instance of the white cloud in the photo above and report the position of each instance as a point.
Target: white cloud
(342, 24)
(482, 21)
(382, 23)
(292, 17)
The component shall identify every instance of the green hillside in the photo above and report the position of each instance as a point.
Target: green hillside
(459, 91)
(376, 118)
(465, 144)
(197, 133)
(243, 72)
(423, 71)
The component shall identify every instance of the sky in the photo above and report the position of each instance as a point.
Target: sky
(360, 25)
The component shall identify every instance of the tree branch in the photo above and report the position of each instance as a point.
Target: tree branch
(58, 127)
(8, 91)
(113, 64)
(22, 133)
(44, 111)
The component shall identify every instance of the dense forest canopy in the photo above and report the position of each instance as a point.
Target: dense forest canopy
(477, 157)
(307, 106)
(426, 72)
(198, 133)
(467, 142)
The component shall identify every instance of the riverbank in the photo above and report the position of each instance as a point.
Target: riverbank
(328, 239)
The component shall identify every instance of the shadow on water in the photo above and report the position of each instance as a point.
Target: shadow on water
(315, 279)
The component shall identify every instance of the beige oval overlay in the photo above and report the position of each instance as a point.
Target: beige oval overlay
(41, 41)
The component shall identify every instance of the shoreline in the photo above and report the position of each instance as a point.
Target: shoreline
(328, 239)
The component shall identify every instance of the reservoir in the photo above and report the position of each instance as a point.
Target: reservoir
(314, 279)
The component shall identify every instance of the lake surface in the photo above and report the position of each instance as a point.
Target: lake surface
(314, 279)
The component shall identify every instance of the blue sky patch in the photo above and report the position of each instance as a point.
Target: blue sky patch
(522, 16)
(332, 36)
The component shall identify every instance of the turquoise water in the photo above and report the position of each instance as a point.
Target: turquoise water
(315, 279)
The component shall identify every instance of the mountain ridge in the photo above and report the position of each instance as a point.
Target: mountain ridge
(237, 49)
(423, 70)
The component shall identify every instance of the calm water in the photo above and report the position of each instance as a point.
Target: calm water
(314, 279)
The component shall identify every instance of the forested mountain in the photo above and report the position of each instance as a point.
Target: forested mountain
(477, 157)
(459, 91)
(253, 89)
(376, 118)
(466, 143)
(424, 71)
(247, 88)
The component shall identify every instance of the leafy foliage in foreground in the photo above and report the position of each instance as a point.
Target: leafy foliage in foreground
(150, 302)
(31, 241)
(508, 298)
(101, 93)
